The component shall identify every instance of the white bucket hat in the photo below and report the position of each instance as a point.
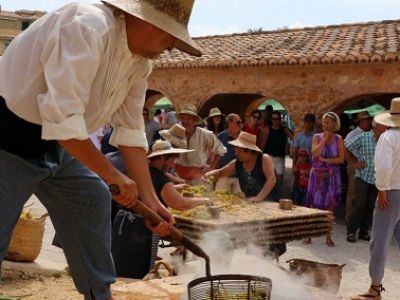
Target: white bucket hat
(164, 148)
(171, 16)
(247, 141)
(214, 112)
(390, 118)
(189, 109)
(175, 135)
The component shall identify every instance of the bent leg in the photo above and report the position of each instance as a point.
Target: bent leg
(79, 206)
(18, 181)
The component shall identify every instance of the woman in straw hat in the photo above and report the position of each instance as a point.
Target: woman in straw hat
(90, 64)
(386, 219)
(175, 135)
(256, 175)
(254, 169)
(134, 247)
(324, 187)
(215, 121)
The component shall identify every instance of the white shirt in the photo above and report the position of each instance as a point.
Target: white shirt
(387, 160)
(204, 142)
(72, 72)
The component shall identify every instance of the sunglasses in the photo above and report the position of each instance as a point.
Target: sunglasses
(256, 117)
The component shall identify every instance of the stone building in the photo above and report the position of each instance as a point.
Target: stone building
(12, 23)
(307, 70)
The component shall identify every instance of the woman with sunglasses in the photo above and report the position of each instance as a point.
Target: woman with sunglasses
(324, 187)
(253, 124)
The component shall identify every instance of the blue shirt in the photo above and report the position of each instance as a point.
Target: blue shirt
(304, 141)
(363, 147)
(224, 137)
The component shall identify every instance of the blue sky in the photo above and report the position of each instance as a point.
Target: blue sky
(231, 16)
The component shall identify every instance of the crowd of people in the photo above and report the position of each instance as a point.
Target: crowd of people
(87, 66)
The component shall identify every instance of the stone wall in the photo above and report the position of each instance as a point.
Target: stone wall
(300, 89)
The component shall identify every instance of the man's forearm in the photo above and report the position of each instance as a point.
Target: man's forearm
(87, 153)
(135, 160)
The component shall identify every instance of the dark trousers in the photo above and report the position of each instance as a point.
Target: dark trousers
(361, 214)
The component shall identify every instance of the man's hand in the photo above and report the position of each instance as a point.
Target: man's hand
(210, 176)
(360, 165)
(382, 199)
(127, 191)
(163, 229)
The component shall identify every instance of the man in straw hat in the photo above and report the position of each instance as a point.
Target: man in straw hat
(192, 166)
(386, 219)
(87, 65)
(364, 122)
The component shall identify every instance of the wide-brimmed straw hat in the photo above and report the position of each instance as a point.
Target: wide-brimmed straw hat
(214, 112)
(175, 135)
(334, 116)
(164, 148)
(171, 16)
(363, 115)
(390, 118)
(247, 141)
(189, 109)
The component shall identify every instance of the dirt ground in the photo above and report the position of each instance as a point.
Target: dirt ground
(19, 284)
(46, 278)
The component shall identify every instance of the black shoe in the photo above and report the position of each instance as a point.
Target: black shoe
(351, 238)
(364, 236)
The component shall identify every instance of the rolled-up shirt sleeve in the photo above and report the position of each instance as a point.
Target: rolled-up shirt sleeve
(128, 121)
(70, 60)
(383, 163)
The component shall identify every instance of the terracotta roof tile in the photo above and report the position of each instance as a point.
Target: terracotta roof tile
(335, 44)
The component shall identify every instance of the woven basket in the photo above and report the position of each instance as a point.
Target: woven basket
(26, 240)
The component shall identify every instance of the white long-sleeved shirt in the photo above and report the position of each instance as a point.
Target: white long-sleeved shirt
(387, 160)
(203, 141)
(72, 72)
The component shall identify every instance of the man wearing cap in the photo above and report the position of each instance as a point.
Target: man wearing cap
(71, 72)
(364, 122)
(191, 166)
(386, 218)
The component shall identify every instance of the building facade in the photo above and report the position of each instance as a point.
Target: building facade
(12, 23)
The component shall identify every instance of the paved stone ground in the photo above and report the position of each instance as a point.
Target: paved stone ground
(355, 256)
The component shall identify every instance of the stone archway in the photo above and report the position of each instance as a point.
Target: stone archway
(229, 103)
(152, 96)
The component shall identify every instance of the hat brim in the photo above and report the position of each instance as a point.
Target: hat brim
(216, 115)
(169, 151)
(147, 13)
(388, 119)
(174, 140)
(238, 143)
(199, 119)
